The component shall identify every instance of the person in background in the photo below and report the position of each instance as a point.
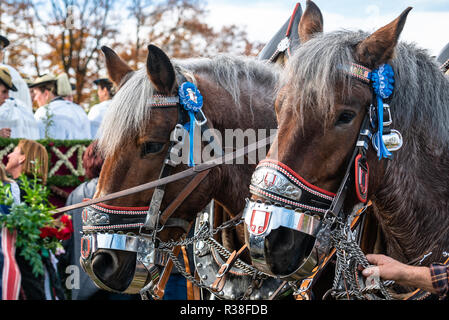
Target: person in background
(22, 94)
(105, 91)
(16, 121)
(56, 117)
(47, 287)
(5, 85)
(10, 278)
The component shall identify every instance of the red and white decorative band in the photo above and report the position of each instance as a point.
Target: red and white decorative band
(290, 202)
(360, 72)
(112, 227)
(296, 178)
(119, 210)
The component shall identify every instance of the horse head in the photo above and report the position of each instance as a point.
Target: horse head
(145, 136)
(336, 126)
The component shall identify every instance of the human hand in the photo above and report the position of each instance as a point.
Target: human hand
(5, 132)
(388, 268)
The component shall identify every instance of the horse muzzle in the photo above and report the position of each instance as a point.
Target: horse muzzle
(286, 236)
(118, 262)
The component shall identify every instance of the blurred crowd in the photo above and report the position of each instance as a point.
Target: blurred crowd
(43, 108)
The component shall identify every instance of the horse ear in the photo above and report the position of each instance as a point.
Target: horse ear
(311, 22)
(379, 47)
(117, 68)
(160, 70)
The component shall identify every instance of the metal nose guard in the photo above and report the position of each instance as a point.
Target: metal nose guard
(99, 223)
(300, 208)
(261, 219)
(147, 261)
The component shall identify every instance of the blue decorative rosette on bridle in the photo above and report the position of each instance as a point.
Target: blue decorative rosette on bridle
(382, 82)
(192, 101)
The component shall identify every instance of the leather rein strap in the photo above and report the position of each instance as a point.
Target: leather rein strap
(227, 158)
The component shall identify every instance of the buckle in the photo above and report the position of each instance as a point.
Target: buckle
(283, 44)
(203, 120)
(393, 141)
(388, 112)
(224, 268)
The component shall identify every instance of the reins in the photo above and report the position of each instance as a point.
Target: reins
(193, 171)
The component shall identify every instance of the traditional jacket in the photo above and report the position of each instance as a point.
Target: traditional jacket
(96, 115)
(19, 118)
(63, 120)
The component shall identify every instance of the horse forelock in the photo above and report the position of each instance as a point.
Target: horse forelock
(315, 71)
(129, 109)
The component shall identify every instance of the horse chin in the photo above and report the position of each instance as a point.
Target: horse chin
(286, 250)
(115, 269)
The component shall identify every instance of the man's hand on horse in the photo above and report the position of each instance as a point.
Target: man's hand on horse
(390, 269)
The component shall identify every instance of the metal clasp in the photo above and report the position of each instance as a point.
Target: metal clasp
(388, 112)
(204, 119)
(222, 273)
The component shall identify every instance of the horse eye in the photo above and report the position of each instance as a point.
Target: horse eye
(151, 147)
(345, 117)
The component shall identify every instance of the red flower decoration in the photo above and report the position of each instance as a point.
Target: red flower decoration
(65, 232)
(48, 232)
(62, 232)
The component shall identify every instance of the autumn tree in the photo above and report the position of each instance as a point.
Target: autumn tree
(75, 29)
(18, 23)
(179, 28)
(66, 35)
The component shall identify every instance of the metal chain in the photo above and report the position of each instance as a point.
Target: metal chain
(238, 263)
(186, 275)
(202, 234)
(205, 234)
(349, 256)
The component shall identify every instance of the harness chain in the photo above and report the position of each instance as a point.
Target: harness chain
(349, 256)
(204, 234)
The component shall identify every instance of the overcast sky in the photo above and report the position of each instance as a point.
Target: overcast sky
(427, 24)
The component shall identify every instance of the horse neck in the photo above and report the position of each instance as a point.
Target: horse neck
(412, 202)
(224, 114)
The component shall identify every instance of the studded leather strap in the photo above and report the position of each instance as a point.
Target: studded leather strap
(221, 275)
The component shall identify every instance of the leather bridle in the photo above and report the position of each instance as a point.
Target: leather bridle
(103, 225)
(293, 203)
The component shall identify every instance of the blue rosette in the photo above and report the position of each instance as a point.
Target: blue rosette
(383, 84)
(192, 101)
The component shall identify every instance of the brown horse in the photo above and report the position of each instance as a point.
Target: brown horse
(320, 109)
(238, 93)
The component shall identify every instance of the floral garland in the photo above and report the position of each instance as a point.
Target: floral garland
(38, 231)
(76, 171)
(64, 159)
